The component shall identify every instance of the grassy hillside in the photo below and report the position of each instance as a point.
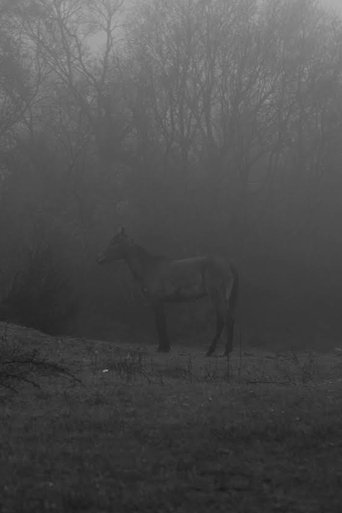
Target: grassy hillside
(109, 426)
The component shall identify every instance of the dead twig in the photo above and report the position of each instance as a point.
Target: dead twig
(267, 382)
(18, 377)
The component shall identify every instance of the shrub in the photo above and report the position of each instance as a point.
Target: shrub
(40, 295)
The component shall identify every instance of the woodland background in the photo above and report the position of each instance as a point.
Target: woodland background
(203, 127)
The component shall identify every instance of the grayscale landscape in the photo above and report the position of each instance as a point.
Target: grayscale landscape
(171, 256)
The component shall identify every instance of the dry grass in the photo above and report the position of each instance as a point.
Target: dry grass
(142, 431)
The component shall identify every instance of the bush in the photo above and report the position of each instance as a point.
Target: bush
(40, 295)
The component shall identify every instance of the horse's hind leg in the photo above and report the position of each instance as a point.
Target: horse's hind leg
(230, 333)
(219, 329)
(163, 339)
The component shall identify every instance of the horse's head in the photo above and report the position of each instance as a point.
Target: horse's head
(117, 248)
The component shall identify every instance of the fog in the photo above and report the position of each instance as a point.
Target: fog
(332, 4)
(203, 128)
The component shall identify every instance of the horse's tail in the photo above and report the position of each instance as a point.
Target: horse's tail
(234, 292)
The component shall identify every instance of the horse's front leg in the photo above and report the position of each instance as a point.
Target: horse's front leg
(219, 329)
(163, 339)
(230, 321)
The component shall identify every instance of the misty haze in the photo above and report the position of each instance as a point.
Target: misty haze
(171, 255)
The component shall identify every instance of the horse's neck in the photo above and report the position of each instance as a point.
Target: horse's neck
(138, 261)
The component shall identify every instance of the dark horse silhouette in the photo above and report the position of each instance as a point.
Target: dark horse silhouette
(165, 280)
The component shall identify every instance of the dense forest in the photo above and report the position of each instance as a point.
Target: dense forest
(202, 126)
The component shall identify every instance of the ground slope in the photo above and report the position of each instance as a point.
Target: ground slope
(127, 429)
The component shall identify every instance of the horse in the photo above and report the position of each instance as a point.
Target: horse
(164, 280)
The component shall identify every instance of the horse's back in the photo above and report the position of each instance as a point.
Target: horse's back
(193, 277)
(213, 271)
(212, 264)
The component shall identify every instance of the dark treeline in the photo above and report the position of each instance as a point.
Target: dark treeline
(203, 126)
